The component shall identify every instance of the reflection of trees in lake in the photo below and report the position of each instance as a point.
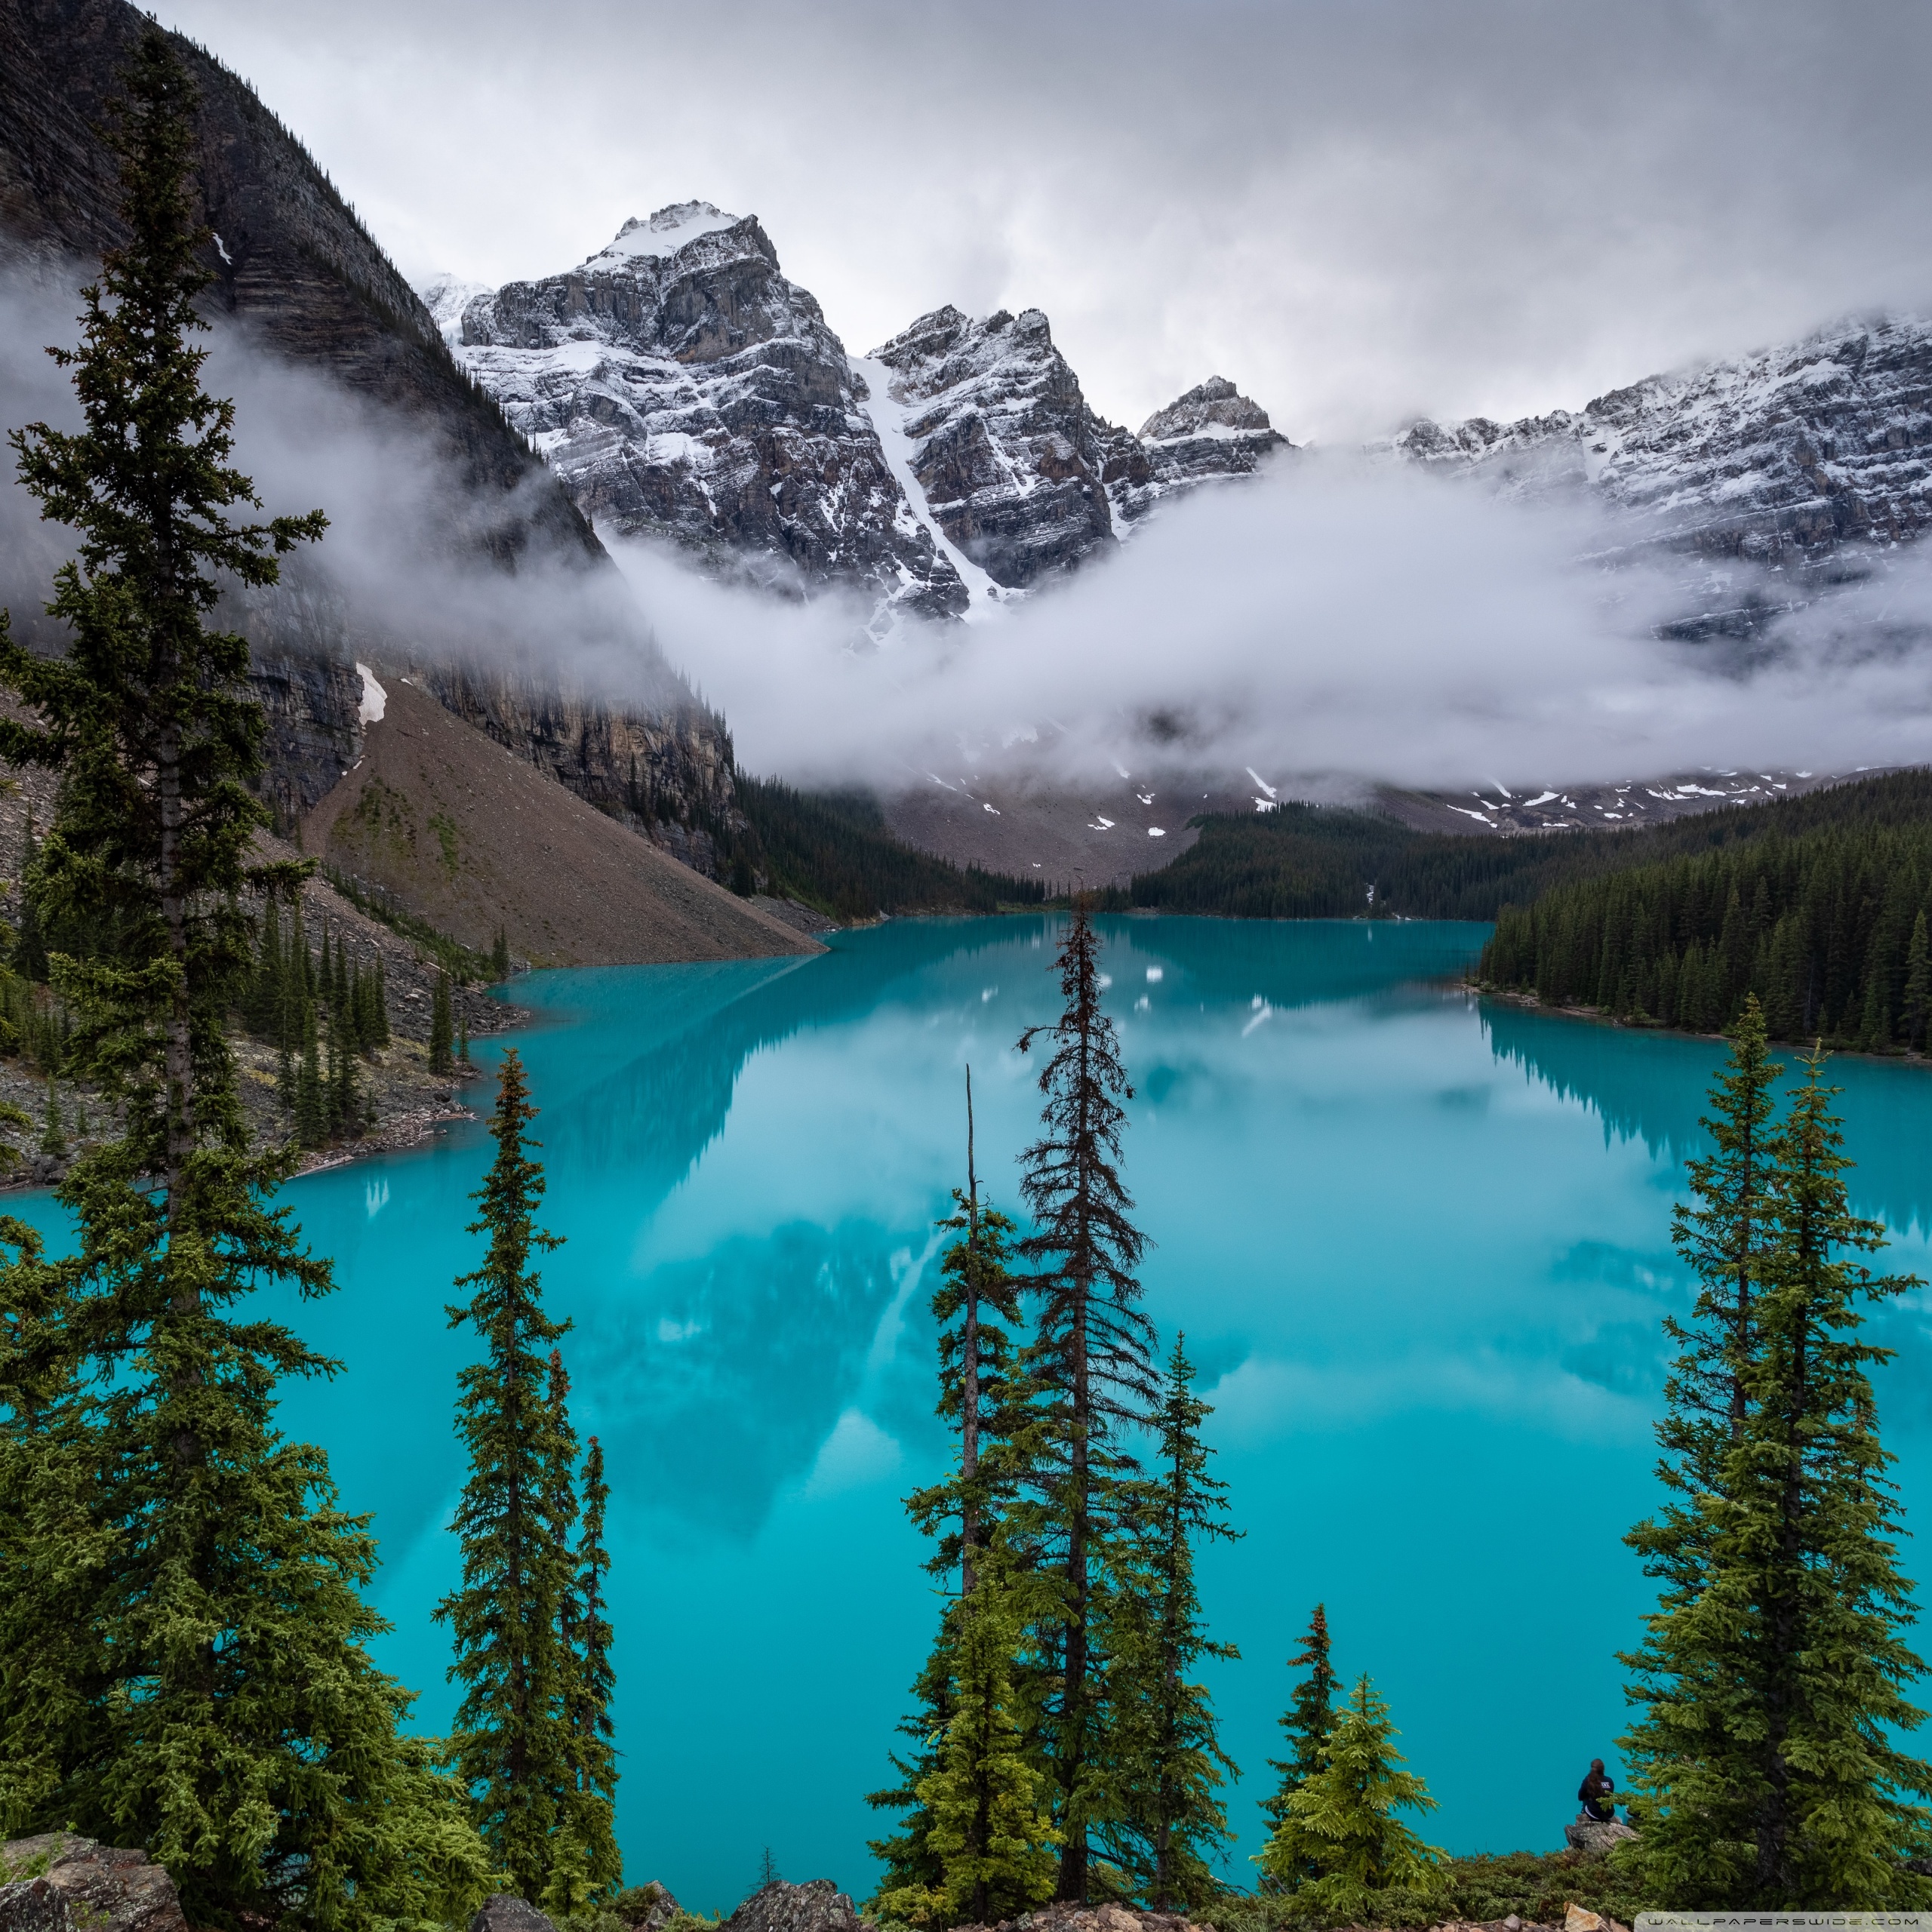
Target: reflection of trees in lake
(1652, 1087)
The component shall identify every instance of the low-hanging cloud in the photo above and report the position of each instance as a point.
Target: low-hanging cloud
(404, 574)
(1337, 623)
(1338, 620)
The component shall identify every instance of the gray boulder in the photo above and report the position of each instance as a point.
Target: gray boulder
(1585, 1835)
(506, 1912)
(818, 1906)
(34, 1905)
(102, 1888)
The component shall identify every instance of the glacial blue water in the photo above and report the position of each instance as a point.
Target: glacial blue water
(1419, 1246)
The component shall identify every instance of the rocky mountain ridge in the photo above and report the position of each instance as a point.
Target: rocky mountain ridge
(1797, 458)
(682, 388)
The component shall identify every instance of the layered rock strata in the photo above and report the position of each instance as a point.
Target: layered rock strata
(1011, 461)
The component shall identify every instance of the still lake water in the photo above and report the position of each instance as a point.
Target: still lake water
(1419, 1246)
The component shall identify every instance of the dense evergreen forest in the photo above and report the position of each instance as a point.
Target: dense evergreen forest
(1332, 861)
(1818, 907)
(833, 851)
(1329, 861)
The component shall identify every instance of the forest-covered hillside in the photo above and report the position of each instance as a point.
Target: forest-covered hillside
(1819, 906)
(833, 851)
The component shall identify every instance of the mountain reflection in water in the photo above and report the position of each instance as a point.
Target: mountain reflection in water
(1420, 1244)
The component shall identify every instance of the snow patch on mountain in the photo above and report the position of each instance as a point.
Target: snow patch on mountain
(888, 414)
(665, 233)
(1782, 458)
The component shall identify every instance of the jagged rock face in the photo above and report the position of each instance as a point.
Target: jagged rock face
(681, 386)
(666, 773)
(1786, 457)
(1011, 460)
(1210, 434)
(293, 260)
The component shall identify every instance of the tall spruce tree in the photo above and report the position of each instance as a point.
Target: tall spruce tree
(441, 1034)
(1309, 1719)
(1090, 1362)
(976, 1307)
(1771, 1694)
(510, 1619)
(183, 1633)
(1175, 1827)
(1339, 1848)
(587, 1720)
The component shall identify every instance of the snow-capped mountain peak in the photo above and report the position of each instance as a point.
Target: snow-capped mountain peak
(664, 234)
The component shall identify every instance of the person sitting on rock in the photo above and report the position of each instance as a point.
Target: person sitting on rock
(1594, 1794)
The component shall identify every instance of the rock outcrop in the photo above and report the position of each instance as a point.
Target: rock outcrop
(507, 1912)
(1008, 456)
(1789, 458)
(1058, 1918)
(1212, 433)
(646, 1907)
(681, 386)
(80, 1885)
(817, 1905)
(1587, 1835)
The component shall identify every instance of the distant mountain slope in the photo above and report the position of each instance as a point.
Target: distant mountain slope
(681, 386)
(1788, 457)
(475, 839)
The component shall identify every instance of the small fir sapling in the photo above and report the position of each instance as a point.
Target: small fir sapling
(1340, 1849)
(1307, 1721)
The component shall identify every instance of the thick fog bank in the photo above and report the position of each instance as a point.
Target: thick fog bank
(1341, 620)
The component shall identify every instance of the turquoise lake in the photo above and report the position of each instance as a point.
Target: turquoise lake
(1419, 1245)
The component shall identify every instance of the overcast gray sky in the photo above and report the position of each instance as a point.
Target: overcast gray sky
(1359, 211)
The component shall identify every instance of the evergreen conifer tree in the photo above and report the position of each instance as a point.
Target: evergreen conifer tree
(440, 1029)
(379, 1003)
(53, 1132)
(992, 1829)
(977, 1298)
(1771, 1696)
(182, 1660)
(1308, 1719)
(1175, 1826)
(593, 1683)
(1090, 1360)
(1339, 1848)
(500, 956)
(507, 1617)
(1917, 985)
